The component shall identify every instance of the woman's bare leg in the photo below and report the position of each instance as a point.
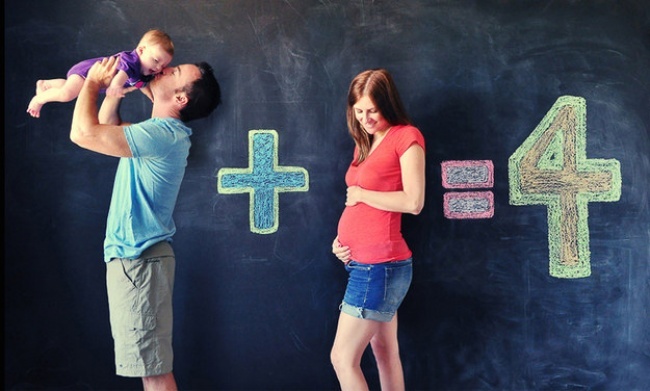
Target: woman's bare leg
(385, 348)
(352, 338)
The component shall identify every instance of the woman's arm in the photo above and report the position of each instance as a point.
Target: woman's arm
(408, 200)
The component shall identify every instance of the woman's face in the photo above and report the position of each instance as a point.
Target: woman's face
(369, 116)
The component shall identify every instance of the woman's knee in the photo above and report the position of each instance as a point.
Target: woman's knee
(385, 350)
(337, 358)
(342, 358)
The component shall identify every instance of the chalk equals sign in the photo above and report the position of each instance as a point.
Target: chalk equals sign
(468, 175)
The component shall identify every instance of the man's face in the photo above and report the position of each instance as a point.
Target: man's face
(173, 79)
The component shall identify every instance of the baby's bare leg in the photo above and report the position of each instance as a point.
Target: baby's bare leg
(43, 85)
(54, 91)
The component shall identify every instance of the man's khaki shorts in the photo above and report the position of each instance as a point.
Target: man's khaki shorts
(140, 304)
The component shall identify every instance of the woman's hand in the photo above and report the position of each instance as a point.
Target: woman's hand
(353, 195)
(341, 252)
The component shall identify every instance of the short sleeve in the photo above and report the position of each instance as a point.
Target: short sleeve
(406, 137)
(149, 139)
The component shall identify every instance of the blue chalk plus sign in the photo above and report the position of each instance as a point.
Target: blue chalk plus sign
(263, 180)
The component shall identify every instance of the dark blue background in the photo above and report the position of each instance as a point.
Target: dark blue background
(259, 312)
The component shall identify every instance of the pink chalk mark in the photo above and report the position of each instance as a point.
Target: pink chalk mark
(469, 199)
(456, 164)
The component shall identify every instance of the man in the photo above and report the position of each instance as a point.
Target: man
(137, 251)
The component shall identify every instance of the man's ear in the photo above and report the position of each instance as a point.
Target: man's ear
(181, 99)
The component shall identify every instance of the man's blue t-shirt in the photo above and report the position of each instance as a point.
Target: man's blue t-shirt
(146, 187)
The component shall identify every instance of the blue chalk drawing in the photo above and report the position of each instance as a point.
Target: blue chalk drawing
(263, 180)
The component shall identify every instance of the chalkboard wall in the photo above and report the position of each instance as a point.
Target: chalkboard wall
(258, 311)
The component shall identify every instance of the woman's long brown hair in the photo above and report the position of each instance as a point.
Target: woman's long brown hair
(378, 85)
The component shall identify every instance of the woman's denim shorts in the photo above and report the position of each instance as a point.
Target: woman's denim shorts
(375, 291)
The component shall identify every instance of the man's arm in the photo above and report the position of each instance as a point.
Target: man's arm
(109, 112)
(87, 131)
(116, 87)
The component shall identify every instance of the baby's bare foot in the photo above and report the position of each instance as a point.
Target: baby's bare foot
(34, 108)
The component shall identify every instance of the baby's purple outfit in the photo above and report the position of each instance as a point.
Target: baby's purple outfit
(129, 62)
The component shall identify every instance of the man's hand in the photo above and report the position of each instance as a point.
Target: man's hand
(102, 72)
(119, 92)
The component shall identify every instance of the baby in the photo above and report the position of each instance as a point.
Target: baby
(136, 68)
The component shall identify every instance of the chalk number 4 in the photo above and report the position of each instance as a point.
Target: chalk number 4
(551, 168)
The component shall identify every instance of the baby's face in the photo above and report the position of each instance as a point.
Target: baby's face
(153, 59)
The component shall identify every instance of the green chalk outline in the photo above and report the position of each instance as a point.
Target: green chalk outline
(553, 156)
(548, 162)
(251, 191)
